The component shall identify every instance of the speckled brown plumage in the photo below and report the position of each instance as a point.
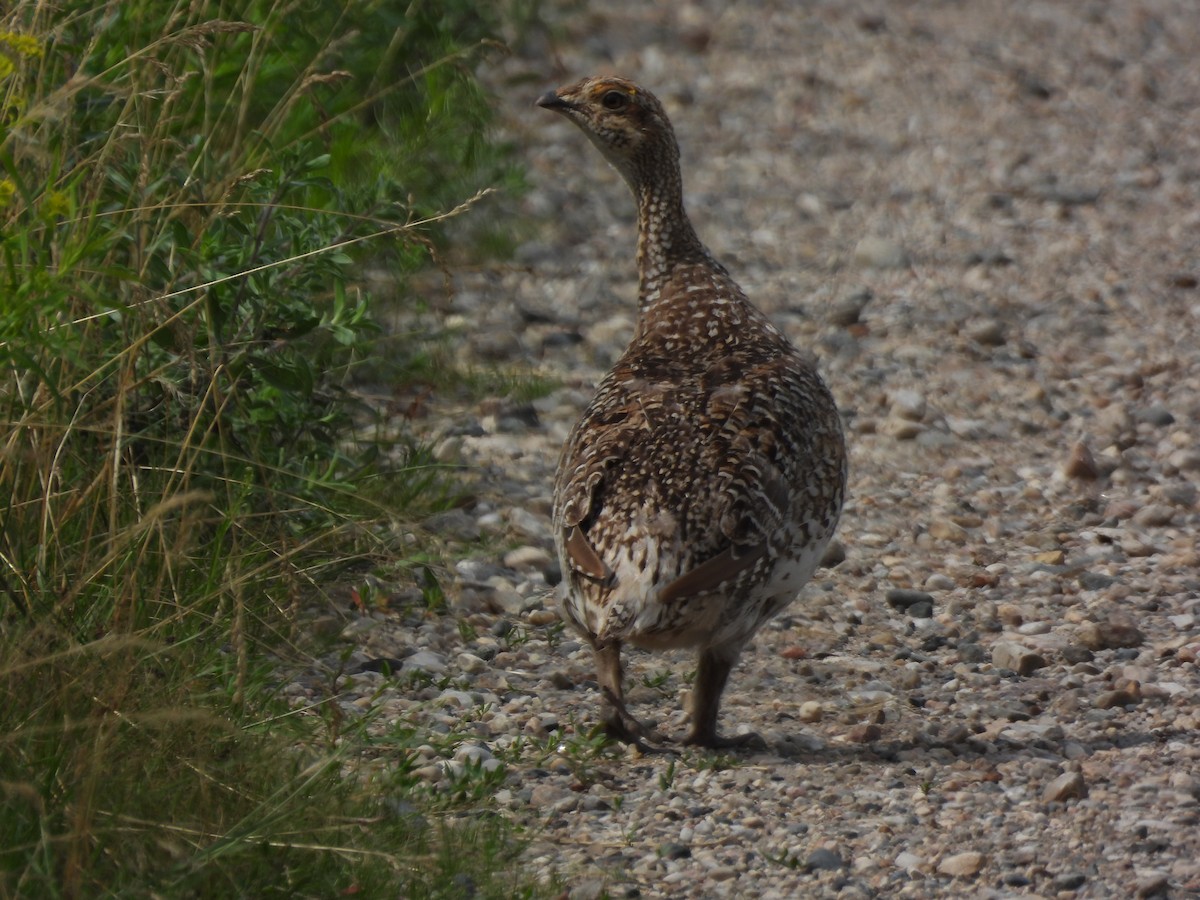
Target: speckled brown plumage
(695, 496)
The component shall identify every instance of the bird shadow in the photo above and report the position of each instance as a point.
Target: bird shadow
(802, 748)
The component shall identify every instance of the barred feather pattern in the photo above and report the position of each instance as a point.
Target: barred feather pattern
(711, 434)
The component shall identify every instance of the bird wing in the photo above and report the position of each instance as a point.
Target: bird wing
(693, 461)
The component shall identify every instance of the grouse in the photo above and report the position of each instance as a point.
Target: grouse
(697, 493)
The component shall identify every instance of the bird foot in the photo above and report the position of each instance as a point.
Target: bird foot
(711, 740)
(621, 726)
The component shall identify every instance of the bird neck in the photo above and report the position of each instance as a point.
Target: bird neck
(666, 237)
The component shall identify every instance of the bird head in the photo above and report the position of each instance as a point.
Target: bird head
(625, 122)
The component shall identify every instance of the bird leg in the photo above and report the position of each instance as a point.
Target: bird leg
(619, 723)
(711, 675)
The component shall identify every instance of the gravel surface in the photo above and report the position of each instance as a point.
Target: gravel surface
(984, 220)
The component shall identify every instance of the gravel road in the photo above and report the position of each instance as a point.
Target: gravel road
(984, 220)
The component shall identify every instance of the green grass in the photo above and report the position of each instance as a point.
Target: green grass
(187, 191)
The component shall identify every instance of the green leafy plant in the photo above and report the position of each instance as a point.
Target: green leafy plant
(188, 191)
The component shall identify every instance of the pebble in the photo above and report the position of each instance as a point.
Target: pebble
(939, 582)
(904, 599)
(426, 661)
(880, 253)
(811, 711)
(864, 733)
(908, 405)
(527, 558)
(824, 859)
(1110, 633)
(962, 865)
(1069, 881)
(946, 530)
(848, 311)
(987, 332)
(901, 429)
(1156, 515)
(1067, 786)
(1080, 463)
(1152, 884)
(1016, 658)
(1111, 699)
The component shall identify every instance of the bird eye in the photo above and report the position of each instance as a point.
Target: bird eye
(614, 100)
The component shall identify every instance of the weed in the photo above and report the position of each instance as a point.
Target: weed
(515, 637)
(467, 633)
(658, 681)
(666, 778)
(715, 761)
(784, 858)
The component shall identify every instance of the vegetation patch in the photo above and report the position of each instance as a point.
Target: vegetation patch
(187, 195)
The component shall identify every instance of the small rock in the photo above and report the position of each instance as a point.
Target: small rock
(473, 753)
(1182, 494)
(971, 652)
(542, 617)
(864, 733)
(880, 253)
(1067, 786)
(527, 558)
(1110, 634)
(946, 530)
(962, 865)
(922, 610)
(987, 332)
(1155, 515)
(904, 598)
(811, 711)
(456, 524)
(1010, 614)
(908, 405)
(901, 429)
(1081, 464)
(448, 450)
(546, 796)
(426, 661)
(1095, 581)
(939, 582)
(1016, 658)
(1156, 416)
(848, 310)
(1185, 460)
(1074, 653)
(824, 859)
(908, 862)
(589, 889)
(1113, 699)
(1069, 881)
(1152, 884)
(674, 851)
(528, 524)
(470, 663)
(384, 665)
(835, 553)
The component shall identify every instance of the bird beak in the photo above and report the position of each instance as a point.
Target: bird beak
(551, 100)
